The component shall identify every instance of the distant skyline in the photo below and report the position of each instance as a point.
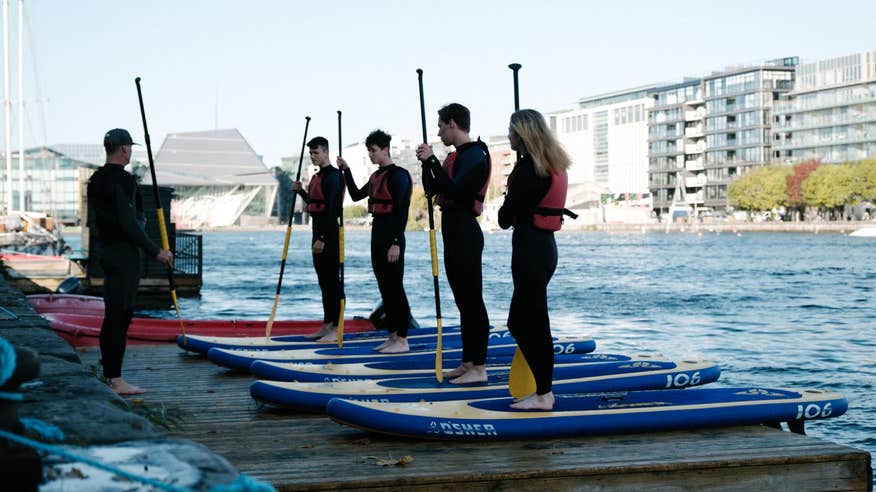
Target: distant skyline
(270, 63)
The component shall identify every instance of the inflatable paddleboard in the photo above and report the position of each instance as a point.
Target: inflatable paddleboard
(591, 414)
(639, 373)
(327, 373)
(81, 330)
(242, 359)
(202, 344)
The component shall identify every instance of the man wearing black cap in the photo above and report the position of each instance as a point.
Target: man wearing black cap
(117, 223)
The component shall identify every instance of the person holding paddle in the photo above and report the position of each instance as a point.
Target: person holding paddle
(325, 202)
(461, 185)
(534, 206)
(389, 199)
(117, 229)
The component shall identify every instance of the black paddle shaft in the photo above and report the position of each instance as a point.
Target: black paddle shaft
(341, 211)
(155, 193)
(294, 196)
(428, 196)
(515, 67)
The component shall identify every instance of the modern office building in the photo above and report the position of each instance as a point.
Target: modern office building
(830, 116)
(704, 132)
(217, 178)
(607, 139)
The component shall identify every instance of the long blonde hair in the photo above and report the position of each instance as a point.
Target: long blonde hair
(546, 152)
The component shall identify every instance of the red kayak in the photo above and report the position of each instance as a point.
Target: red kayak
(83, 330)
(66, 303)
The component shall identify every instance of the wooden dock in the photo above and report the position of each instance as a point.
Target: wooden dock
(311, 452)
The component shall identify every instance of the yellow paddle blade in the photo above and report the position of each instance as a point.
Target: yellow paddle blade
(521, 382)
(271, 318)
(341, 325)
(439, 371)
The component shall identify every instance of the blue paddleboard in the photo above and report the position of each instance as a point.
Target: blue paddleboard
(638, 373)
(326, 373)
(590, 414)
(202, 344)
(242, 359)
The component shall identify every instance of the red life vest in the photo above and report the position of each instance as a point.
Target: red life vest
(549, 212)
(478, 203)
(316, 204)
(379, 197)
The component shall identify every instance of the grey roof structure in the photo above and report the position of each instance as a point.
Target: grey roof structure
(213, 157)
(88, 155)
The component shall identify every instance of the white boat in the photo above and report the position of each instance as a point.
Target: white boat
(864, 232)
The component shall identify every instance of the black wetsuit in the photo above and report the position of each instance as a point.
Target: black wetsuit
(387, 230)
(117, 228)
(533, 261)
(463, 242)
(325, 229)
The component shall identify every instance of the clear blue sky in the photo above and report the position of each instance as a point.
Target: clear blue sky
(273, 62)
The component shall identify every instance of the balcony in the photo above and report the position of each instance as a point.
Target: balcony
(695, 148)
(694, 131)
(696, 181)
(694, 165)
(695, 115)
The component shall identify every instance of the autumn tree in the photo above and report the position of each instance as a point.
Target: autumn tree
(794, 184)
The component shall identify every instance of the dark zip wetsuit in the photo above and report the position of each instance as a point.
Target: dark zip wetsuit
(324, 216)
(390, 217)
(533, 262)
(463, 240)
(116, 220)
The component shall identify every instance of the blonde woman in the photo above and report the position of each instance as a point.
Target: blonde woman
(534, 206)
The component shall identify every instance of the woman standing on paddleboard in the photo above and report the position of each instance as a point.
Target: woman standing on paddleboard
(534, 205)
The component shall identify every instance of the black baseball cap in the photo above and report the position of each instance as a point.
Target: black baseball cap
(117, 137)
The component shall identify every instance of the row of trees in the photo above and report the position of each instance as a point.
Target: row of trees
(828, 188)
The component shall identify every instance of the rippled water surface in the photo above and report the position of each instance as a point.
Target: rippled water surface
(779, 310)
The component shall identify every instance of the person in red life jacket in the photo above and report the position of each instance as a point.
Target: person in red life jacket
(460, 185)
(389, 199)
(533, 205)
(325, 202)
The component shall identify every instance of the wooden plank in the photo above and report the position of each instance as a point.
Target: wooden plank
(310, 452)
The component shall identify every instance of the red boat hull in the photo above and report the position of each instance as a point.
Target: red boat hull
(83, 330)
(66, 303)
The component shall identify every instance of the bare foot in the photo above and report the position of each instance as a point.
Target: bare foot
(391, 338)
(475, 374)
(325, 330)
(331, 337)
(459, 371)
(122, 387)
(397, 346)
(536, 402)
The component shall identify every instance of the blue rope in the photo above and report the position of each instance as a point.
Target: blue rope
(47, 432)
(7, 361)
(57, 451)
(244, 483)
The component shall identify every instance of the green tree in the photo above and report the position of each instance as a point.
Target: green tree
(763, 188)
(418, 215)
(864, 180)
(830, 188)
(355, 211)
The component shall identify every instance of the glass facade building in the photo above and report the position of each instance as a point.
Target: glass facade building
(830, 116)
(52, 178)
(704, 132)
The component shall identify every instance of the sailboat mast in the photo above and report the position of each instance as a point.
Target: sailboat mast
(7, 106)
(21, 192)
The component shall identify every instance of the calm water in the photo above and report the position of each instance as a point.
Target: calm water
(780, 310)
